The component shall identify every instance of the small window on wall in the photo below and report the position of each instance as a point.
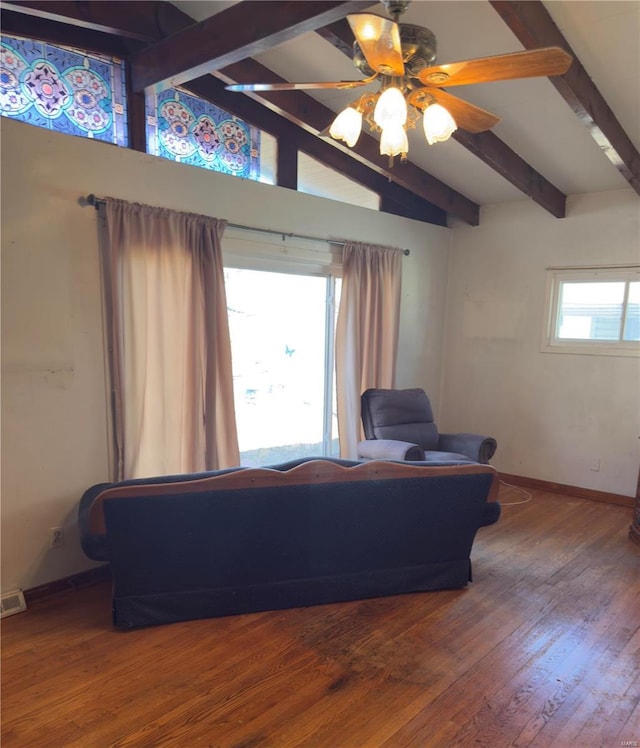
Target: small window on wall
(185, 128)
(593, 311)
(63, 89)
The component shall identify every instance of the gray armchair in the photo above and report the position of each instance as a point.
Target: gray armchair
(398, 425)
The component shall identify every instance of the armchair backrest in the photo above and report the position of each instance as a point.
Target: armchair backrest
(404, 415)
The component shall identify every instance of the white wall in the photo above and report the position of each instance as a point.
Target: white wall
(552, 414)
(54, 412)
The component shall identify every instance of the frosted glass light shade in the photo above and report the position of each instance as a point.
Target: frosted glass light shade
(438, 124)
(391, 108)
(393, 141)
(347, 126)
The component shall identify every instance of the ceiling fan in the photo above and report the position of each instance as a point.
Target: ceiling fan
(401, 57)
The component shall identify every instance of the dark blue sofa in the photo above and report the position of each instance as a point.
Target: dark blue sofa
(303, 533)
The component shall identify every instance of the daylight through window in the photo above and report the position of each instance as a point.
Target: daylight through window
(282, 332)
(593, 310)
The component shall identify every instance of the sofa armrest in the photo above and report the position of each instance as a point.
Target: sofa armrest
(476, 446)
(389, 449)
(94, 545)
(491, 514)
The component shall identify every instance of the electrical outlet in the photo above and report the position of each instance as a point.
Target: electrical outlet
(595, 464)
(56, 537)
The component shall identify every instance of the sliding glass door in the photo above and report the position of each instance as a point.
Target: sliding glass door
(282, 333)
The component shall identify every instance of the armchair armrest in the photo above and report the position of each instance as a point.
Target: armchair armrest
(476, 446)
(389, 449)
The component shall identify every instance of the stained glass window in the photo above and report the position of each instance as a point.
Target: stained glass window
(63, 89)
(182, 127)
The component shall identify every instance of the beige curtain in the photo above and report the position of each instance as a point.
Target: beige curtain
(366, 332)
(170, 353)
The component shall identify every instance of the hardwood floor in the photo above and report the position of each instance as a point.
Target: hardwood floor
(542, 649)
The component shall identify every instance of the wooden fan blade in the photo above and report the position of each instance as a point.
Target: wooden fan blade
(468, 116)
(296, 86)
(529, 64)
(379, 40)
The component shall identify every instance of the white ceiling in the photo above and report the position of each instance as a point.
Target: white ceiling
(536, 121)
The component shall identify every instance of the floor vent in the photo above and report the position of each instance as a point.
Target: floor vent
(11, 603)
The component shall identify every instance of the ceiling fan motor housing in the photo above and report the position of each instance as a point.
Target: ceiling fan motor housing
(396, 8)
(419, 47)
(419, 50)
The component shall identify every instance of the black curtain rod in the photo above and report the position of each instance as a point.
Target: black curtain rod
(96, 201)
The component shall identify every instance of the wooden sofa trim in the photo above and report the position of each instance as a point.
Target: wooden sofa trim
(314, 471)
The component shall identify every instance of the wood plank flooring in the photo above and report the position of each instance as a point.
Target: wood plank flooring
(542, 649)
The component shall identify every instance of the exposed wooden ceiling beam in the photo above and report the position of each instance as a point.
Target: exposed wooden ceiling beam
(531, 22)
(339, 34)
(125, 18)
(487, 146)
(242, 30)
(57, 32)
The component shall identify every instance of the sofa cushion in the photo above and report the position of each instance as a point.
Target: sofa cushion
(453, 458)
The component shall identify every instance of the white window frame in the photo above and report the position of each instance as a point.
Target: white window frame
(556, 276)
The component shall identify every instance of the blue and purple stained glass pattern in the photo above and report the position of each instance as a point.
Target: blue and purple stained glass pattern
(185, 128)
(62, 89)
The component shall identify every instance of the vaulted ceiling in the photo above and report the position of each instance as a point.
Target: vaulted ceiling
(559, 136)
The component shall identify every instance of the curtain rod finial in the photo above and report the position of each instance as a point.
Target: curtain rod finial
(92, 200)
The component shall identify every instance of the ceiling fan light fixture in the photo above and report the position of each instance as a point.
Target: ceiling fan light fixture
(393, 141)
(347, 126)
(438, 124)
(391, 108)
